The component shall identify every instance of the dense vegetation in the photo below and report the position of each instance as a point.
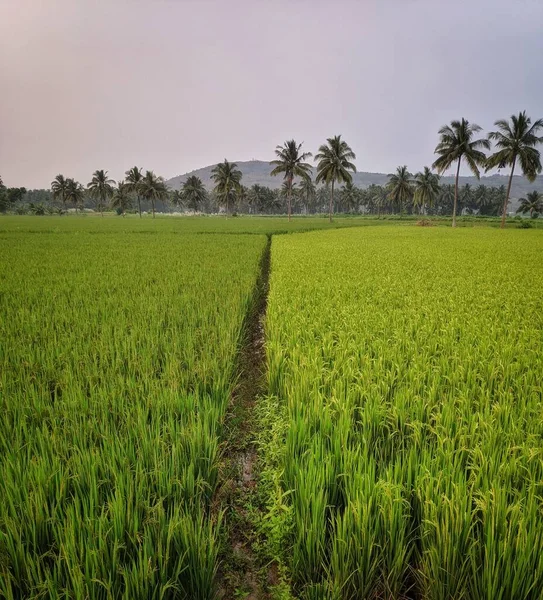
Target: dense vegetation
(116, 366)
(402, 434)
(515, 143)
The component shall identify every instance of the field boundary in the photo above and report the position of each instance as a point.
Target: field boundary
(241, 572)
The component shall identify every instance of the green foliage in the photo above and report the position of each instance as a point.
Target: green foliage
(456, 143)
(333, 165)
(101, 189)
(227, 178)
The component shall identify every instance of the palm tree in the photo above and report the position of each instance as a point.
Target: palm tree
(227, 178)
(334, 165)
(59, 188)
(446, 197)
(481, 197)
(122, 198)
(308, 193)
(290, 161)
(152, 188)
(350, 197)
(466, 198)
(193, 192)
(378, 197)
(400, 187)
(290, 193)
(75, 193)
(133, 180)
(101, 188)
(456, 143)
(516, 140)
(426, 189)
(533, 204)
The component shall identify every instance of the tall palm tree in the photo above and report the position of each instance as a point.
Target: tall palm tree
(308, 193)
(59, 188)
(122, 199)
(152, 188)
(400, 187)
(290, 161)
(290, 193)
(516, 140)
(533, 204)
(101, 188)
(193, 192)
(456, 143)
(227, 178)
(426, 189)
(75, 193)
(334, 165)
(133, 180)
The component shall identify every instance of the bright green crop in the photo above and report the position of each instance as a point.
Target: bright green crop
(116, 365)
(406, 368)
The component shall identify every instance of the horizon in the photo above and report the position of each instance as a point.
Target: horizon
(159, 84)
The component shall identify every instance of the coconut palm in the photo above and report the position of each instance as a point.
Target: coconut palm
(426, 189)
(59, 188)
(516, 140)
(101, 188)
(533, 204)
(290, 162)
(227, 178)
(122, 199)
(400, 187)
(289, 192)
(75, 193)
(308, 193)
(193, 193)
(350, 197)
(152, 188)
(334, 165)
(133, 181)
(378, 197)
(446, 197)
(456, 143)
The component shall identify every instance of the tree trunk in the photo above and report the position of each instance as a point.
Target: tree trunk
(331, 202)
(456, 192)
(139, 204)
(153, 206)
(506, 202)
(288, 195)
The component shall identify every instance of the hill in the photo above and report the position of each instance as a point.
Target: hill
(258, 171)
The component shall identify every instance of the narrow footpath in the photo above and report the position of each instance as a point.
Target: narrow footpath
(241, 576)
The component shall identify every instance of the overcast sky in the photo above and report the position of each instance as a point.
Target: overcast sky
(174, 85)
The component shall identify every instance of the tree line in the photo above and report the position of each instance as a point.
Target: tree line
(515, 147)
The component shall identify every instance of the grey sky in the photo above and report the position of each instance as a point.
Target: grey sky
(173, 85)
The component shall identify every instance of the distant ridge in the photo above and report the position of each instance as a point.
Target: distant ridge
(258, 171)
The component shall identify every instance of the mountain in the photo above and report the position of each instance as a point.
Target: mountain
(258, 171)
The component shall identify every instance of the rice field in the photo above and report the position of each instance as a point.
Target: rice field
(403, 433)
(399, 444)
(116, 365)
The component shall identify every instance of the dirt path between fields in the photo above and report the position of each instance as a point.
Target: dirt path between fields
(241, 574)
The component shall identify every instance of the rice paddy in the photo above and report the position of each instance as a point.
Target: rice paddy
(405, 370)
(117, 362)
(399, 438)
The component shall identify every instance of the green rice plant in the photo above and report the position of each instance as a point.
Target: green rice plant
(116, 367)
(406, 366)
